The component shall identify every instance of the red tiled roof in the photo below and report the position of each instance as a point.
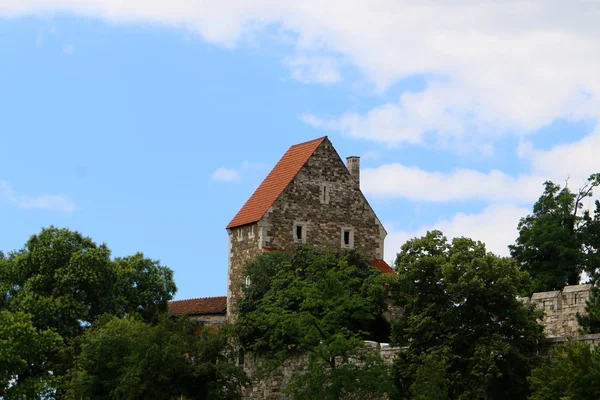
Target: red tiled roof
(277, 180)
(382, 266)
(203, 306)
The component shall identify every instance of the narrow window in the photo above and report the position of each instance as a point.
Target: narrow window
(248, 281)
(251, 232)
(240, 234)
(241, 357)
(325, 191)
(347, 238)
(300, 233)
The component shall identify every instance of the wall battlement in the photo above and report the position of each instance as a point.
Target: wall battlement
(561, 308)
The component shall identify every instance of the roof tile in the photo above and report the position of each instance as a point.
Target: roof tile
(278, 179)
(202, 306)
(382, 266)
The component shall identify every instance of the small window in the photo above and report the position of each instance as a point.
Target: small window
(325, 191)
(300, 233)
(240, 234)
(248, 281)
(347, 238)
(251, 232)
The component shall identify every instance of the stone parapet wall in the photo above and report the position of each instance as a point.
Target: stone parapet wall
(561, 308)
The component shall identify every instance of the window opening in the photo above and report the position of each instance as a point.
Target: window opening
(299, 233)
(348, 238)
(325, 191)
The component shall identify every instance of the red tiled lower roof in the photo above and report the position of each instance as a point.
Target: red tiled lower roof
(280, 176)
(383, 266)
(203, 306)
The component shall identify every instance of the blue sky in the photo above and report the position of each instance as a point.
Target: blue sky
(147, 126)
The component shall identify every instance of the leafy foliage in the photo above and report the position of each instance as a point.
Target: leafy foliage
(467, 334)
(361, 374)
(298, 300)
(572, 372)
(23, 345)
(127, 359)
(320, 305)
(65, 282)
(590, 321)
(559, 239)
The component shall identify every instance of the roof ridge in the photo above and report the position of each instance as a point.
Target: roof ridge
(309, 141)
(198, 298)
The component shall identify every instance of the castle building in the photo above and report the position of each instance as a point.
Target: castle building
(310, 198)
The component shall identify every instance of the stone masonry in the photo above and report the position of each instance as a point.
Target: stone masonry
(272, 387)
(321, 206)
(561, 308)
(244, 246)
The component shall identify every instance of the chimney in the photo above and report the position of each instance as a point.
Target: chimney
(353, 165)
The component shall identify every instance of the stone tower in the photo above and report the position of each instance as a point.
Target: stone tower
(309, 198)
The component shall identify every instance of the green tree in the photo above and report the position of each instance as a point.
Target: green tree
(362, 375)
(21, 345)
(590, 320)
(127, 359)
(559, 239)
(321, 306)
(572, 372)
(466, 333)
(65, 282)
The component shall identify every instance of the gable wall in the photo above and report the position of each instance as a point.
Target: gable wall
(300, 203)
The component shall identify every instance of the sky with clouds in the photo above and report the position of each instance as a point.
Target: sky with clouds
(147, 124)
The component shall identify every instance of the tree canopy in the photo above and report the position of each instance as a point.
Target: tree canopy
(559, 239)
(127, 359)
(322, 305)
(571, 372)
(466, 333)
(61, 282)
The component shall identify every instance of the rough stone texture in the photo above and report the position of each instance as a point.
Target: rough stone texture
(242, 249)
(208, 320)
(301, 202)
(561, 308)
(347, 208)
(272, 387)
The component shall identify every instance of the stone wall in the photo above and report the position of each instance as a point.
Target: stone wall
(208, 320)
(561, 308)
(244, 246)
(344, 207)
(271, 388)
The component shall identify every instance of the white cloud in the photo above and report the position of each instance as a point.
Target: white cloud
(576, 160)
(68, 49)
(496, 226)
(44, 202)
(223, 174)
(314, 70)
(493, 67)
(413, 183)
(573, 161)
